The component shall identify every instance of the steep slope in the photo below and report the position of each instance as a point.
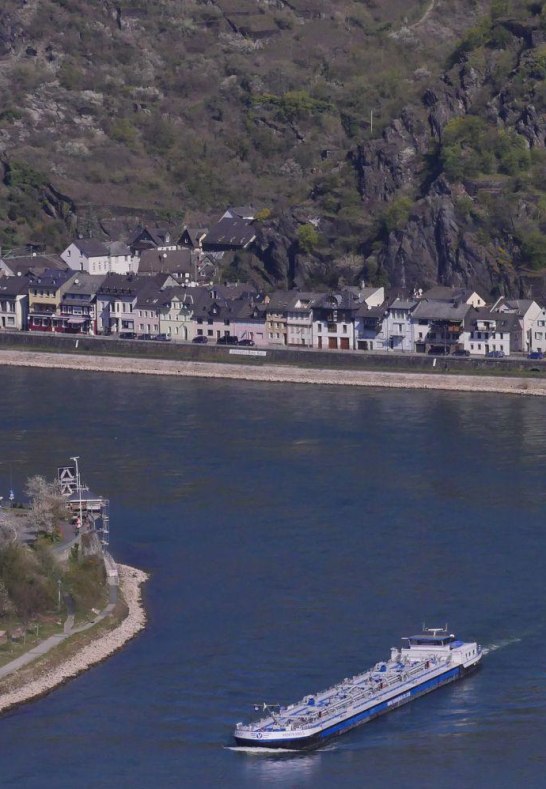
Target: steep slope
(178, 106)
(400, 143)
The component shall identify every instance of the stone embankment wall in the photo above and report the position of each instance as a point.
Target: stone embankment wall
(98, 650)
(297, 357)
(278, 373)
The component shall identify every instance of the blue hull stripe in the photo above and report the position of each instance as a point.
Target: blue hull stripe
(406, 695)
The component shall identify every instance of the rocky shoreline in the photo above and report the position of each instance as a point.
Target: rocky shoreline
(131, 581)
(278, 374)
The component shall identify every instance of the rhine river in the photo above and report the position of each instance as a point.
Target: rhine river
(294, 534)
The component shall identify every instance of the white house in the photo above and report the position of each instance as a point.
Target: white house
(528, 312)
(100, 257)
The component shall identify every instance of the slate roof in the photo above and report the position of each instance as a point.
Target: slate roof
(84, 284)
(117, 248)
(91, 247)
(13, 286)
(23, 264)
(372, 312)
(230, 233)
(286, 301)
(176, 261)
(125, 284)
(504, 321)
(440, 311)
(520, 306)
(52, 278)
(444, 293)
(402, 303)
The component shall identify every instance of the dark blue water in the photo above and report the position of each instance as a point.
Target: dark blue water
(293, 535)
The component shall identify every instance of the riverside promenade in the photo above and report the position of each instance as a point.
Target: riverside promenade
(278, 373)
(121, 576)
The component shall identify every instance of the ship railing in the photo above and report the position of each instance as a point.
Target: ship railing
(353, 694)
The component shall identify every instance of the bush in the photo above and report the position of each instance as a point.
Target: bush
(308, 238)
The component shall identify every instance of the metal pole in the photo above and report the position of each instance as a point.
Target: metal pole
(78, 483)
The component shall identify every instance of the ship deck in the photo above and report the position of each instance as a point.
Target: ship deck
(352, 692)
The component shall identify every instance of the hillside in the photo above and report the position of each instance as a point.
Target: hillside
(171, 110)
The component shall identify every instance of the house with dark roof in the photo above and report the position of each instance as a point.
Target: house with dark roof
(289, 317)
(176, 262)
(229, 234)
(487, 330)
(529, 313)
(462, 295)
(79, 302)
(117, 299)
(99, 257)
(151, 238)
(192, 237)
(34, 264)
(13, 303)
(45, 294)
(335, 321)
(439, 325)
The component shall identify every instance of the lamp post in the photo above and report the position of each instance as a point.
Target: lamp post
(79, 486)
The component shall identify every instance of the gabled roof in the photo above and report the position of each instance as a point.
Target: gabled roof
(402, 303)
(51, 278)
(372, 312)
(519, 306)
(150, 236)
(91, 247)
(440, 310)
(241, 212)
(175, 261)
(10, 287)
(195, 235)
(444, 293)
(117, 249)
(230, 233)
(292, 301)
(504, 321)
(22, 264)
(85, 283)
(124, 284)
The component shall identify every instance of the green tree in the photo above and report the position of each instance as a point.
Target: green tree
(308, 238)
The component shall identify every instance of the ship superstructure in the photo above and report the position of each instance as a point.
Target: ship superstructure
(426, 662)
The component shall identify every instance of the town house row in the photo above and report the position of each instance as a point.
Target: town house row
(441, 320)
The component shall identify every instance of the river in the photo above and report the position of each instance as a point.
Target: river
(293, 534)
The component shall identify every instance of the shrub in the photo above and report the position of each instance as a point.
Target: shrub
(308, 238)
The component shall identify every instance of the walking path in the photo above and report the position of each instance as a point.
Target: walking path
(430, 8)
(69, 628)
(274, 373)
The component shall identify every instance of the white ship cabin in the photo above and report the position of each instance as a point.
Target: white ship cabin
(440, 644)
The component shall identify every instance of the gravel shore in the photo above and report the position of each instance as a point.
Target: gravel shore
(273, 373)
(105, 645)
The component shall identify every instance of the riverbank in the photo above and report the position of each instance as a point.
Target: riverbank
(40, 677)
(279, 373)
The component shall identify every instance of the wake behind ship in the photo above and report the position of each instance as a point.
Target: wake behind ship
(430, 660)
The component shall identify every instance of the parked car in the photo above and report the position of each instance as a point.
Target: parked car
(201, 339)
(162, 337)
(536, 355)
(144, 336)
(461, 352)
(247, 342)
(127, 335)
(496, 354)
(228, 339)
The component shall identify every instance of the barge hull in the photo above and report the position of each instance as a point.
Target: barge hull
(321, 738)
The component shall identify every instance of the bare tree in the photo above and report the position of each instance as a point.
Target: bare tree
(47, 505)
